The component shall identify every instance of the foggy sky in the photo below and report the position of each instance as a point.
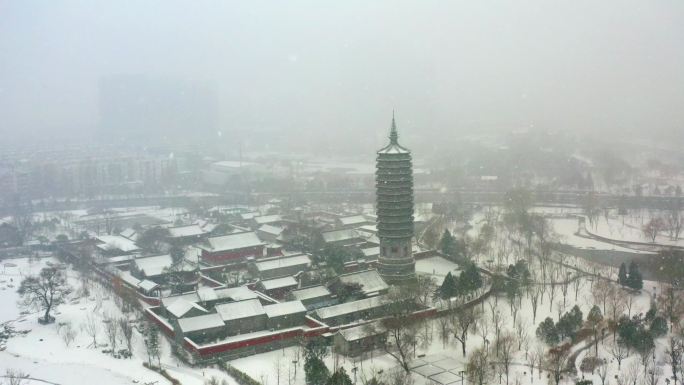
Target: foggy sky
(331, 72)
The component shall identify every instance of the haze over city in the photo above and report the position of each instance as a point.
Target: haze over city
(341, 193)
(334, 71)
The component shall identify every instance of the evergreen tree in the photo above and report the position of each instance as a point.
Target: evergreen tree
(449, 288)
(635, 280)
(340, 377)
(470, 278)
(570, 323)
(622, 274)
(547, 332)
(447, 245)
(315, 371)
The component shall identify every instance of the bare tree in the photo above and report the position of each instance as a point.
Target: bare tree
(603, 372)
(401, 327)
(616, 305)
(112, 331)
(126, 329)
(653, 228)
(555, 363)
(46, 291)
(619, 351)
(534, 301)
(506, 345)
(521, 331)
(92, 327)
(482, 328)
(531, 361)
(461, 324)
(577, 285)
(674, 219)
(67, 332)
(478, 367)
(151, 341)
(629, 303)
(444, 329)
(652, 372)
(672, 303)
(16, 377)
(424, 288)
(601, 291)
(674, 354)
(630, 376)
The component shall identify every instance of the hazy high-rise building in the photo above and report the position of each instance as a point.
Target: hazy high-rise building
(394, 194)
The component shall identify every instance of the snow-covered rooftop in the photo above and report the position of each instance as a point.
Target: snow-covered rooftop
(186, 231)
(116, 242)
(339, 235)
(180, 307)
(128, 278)
(202, 322)
(362, 331)
(278, 283)
(269, 229)
(265, 219)
(155, 265)
(239, 293)
(351, 307)
(148, 285)
(353, 220)
(369, 280)
(311, 292)
(232, 242)
(240, 309)
(206, 294)
(284, 308)
(277, 263)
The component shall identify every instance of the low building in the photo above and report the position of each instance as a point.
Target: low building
(313, 297)
(348, 312)
(343, 237)
(182, 308)
(185, 235)
(280, 266)
(115, 245)
(352, 221)
(278, 287)
(369, 281)
(157, 266)
(359, 339)
(231, 247)
(243, 316)
(269, 233)
(274, 220)
(285, 315)
(203, 328)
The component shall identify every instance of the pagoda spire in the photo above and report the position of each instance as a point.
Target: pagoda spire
(394, 136)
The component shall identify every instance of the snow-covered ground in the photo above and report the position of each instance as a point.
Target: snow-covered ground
(566, 228)
(438, 267)
(43, 354)
(630, 228)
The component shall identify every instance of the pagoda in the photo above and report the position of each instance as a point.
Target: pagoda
(394, 195)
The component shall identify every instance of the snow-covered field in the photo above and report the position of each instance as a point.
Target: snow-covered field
(43, 354)
(566, 228)
(438, 267)
(629, 228)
